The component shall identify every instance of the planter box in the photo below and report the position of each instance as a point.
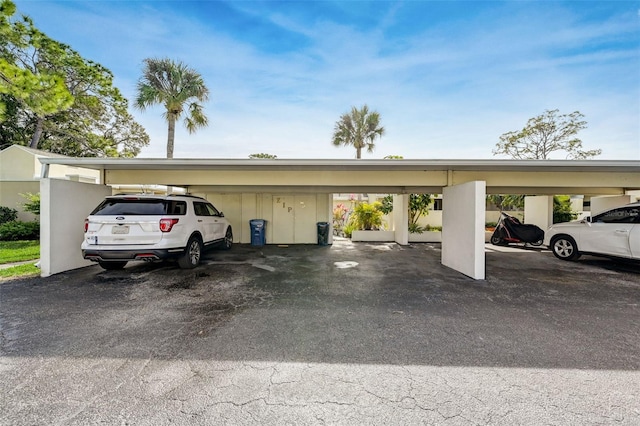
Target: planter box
(436, 237)
(389, 236)
(426, 237)
(373, 236)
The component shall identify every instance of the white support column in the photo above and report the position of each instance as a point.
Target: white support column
(401, 218)
(64, 207)
(538, 210)
(463, 219)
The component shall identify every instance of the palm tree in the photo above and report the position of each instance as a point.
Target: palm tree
(358, 128)
(176, 86)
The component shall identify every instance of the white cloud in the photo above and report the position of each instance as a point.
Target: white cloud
(447, 90)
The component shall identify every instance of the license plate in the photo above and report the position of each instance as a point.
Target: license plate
(120, 229)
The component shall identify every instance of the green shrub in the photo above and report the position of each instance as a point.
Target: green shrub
(16, 230)
(7, 214)
(414, 228)
(367, 216)
(562, 209)
(33, 203)
(348, 230)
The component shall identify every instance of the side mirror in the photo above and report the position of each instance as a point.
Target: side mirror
(221, 214)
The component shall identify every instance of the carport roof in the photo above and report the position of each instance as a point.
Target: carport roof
(587, 177)
(346, 165)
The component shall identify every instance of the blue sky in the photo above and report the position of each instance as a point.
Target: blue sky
(447, 77)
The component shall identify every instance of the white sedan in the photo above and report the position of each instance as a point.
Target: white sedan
(614, 233)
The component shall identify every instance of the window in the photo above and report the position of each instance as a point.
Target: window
(139, 207)
(622, 215)
(212, 210)
(205, 209)
(201, 209)
(176, 207)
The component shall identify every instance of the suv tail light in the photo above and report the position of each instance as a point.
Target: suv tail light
(86, 225)
(167, 224)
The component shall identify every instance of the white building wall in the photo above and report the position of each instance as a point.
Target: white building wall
(600, 204)
(64, 207)
(463, 228)
(538, 210)
(290, 218)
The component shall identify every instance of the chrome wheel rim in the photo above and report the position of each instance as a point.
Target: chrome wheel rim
(563, 248)
(194, 253)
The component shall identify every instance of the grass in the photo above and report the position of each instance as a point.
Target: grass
(19, 251)
(25, 270)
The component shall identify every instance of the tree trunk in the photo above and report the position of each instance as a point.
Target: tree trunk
(172, 134)
(35, 139)
(358, 150)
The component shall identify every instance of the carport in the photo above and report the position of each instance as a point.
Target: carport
(302, 189)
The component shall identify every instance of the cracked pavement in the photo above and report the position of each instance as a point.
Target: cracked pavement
(359, 333)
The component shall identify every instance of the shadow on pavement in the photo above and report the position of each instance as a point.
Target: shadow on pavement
(347, 303)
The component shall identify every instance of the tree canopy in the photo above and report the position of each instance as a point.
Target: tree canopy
(545, 134)
(177, 87)
(54, 99)
(358, 128)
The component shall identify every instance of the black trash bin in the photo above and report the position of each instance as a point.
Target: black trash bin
(258, 235)
(323, 233)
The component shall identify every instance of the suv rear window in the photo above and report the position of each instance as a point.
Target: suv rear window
(137, 207)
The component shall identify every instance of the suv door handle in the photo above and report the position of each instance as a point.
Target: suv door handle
(199, 220)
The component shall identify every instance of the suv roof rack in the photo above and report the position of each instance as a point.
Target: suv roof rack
(186, 195)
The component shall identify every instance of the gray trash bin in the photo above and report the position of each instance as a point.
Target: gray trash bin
(323, 233)
(258, 229)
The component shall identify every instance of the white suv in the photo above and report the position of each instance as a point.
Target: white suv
(124, 228)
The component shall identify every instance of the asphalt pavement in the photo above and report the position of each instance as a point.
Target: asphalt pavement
(353, 333)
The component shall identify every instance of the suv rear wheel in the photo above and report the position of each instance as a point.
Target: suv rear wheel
(228, 239)
(191, 257)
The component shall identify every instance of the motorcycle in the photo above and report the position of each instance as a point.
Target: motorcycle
(510, 230)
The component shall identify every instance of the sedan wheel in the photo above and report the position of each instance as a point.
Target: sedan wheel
(191, 257)
(565, 248)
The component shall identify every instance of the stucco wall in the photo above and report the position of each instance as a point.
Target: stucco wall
(538, 210)
(65, 205)
(17, 164)
(600, 204)
(73, 173)
(463, 228)
(291, 218)
(10, 196)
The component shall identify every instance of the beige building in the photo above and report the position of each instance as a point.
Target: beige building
(21, 170)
